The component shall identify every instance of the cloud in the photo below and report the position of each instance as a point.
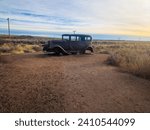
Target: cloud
(129, 17)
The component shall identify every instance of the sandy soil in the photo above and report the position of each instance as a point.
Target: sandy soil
(76, 83)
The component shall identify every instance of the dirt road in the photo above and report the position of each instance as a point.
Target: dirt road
(77, 83)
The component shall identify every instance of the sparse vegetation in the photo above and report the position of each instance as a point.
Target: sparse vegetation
(11, 48)
(21, 44)
(130, 56)
(133, 57)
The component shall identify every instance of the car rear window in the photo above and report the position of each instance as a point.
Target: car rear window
(88, 38)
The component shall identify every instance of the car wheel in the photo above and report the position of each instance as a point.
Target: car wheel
(57, 51)
(82, 52)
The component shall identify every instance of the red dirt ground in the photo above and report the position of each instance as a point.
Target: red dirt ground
(76, 83)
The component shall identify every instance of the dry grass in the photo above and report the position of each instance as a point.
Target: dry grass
(11, 48)
(133, 57)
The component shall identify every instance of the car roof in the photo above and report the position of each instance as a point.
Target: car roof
(76, 35)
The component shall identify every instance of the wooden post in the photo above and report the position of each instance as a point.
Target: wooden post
(8, 27)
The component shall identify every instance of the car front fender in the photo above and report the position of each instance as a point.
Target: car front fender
(62, 50)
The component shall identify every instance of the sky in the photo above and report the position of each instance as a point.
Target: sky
(116, 17)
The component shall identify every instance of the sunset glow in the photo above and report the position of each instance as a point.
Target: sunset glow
(122, 17)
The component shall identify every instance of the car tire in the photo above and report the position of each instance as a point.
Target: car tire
(82, 52)
(57, 51)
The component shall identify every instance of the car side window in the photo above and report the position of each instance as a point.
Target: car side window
(78, 38)
(73, 38)
(66, 38)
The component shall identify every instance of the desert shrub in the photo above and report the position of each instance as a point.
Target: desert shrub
(37, 48)
(134, 58)
(6, 48)
(18, 48)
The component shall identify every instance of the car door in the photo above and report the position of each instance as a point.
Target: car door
(82, 43)
(74, 43)
(66, 43)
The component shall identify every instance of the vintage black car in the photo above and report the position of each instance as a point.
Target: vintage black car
(70, 44)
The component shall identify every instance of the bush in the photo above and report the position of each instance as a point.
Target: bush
(132, 57)
(18, 48)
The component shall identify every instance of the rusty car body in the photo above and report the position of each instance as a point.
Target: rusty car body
(70, 44)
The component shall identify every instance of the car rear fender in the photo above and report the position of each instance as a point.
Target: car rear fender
(90, 49)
